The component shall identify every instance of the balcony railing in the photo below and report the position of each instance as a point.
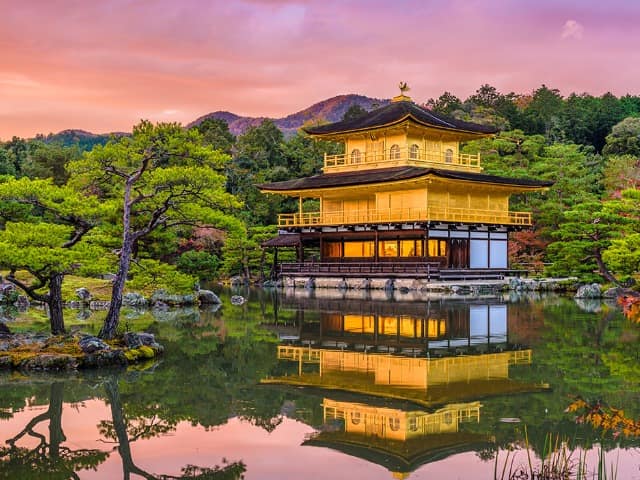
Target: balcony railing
(386, 215)
(358, 160)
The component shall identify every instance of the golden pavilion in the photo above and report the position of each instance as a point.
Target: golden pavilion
(403, 200)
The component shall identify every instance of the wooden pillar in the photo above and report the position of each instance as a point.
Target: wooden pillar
(274, 268)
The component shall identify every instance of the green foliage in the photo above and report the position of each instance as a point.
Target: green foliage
(215, 133)
(148, 274)
(624, 138)
(623, 255)
(588, 230)
(621, 172)
(445, 104)
(49, 160)
(46, 224)
(203, 265)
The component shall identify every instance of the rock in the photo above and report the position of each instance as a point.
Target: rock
(389, 285)
(4, 330)
(613, 292)
(147, 339)
(237, 300)
(83, 294)
(207, 297)
(238, 281)
(7, 288)
(50, 361)
(83, 314)
(135, 340)
(75, 304)
(22, 303)
(91, 344)
(134, 299)
(172, 299)
(310, 284)
(589, 291)
(132, 340)
(5, 362)
(104, 358)
(269, 284)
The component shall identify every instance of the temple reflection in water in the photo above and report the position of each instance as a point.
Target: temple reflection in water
(414, 328)
(399, 440)
(418, 371)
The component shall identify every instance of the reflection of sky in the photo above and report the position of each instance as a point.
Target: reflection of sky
(275, 455)
(103, 65)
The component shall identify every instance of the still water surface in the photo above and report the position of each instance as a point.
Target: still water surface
(292, 386)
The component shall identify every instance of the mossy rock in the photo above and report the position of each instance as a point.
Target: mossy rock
(143, 352)
(146, 352)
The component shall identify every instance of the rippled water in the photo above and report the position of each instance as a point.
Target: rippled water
(334, 385)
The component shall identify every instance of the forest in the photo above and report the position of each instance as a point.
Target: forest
(171, 206)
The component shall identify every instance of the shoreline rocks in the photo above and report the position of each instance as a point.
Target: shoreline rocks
(38, 352)
(404, 285)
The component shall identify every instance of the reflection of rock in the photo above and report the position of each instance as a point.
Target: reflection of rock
(212, 308)
(591, 305)
(83, 294)
(83, 314)
(4, 330)
(90, 344)
(589, 291)
(99, 305)
(134, 299)
(185, 315)
(237, 300)
(207, 297)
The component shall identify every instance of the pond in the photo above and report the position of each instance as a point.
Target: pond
(342, 385)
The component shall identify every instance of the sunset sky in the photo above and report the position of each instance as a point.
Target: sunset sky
(101, 66)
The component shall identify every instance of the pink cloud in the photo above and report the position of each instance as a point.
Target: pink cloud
(106, 64)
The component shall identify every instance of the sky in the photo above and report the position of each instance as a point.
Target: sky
(103, 65)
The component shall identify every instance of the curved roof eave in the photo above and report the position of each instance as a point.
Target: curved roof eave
(408, 116)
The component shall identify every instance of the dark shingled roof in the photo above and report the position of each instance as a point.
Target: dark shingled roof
(381, 175)
(283, 240)
(396, 112)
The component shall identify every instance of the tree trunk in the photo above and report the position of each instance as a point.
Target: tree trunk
(604, 271)
(113, 315)
(54, 301)
(110, 325)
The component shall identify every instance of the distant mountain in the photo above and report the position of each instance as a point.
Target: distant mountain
(83, 139)
(330, 110)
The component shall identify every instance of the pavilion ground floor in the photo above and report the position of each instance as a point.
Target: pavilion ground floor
(394, 251)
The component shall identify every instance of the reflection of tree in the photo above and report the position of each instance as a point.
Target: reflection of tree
(49, 458)
(126, 430)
